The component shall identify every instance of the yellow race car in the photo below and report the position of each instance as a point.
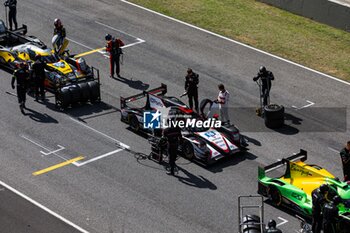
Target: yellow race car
(293, 189)
(70, 79)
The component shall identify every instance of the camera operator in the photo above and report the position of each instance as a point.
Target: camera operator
(266, 77)
(173, 136)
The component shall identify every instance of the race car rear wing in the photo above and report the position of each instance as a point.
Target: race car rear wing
(162, 90)
(301, 156)
(5, 33)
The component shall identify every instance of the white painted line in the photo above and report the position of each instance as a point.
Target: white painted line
(236, 42)
(35, 143)
(96, 158)
(122, 145)
(139, 41)
(115, 29)
(305, 106)
(43, 207)
(52, 152)
(284, 221)
(334, 150)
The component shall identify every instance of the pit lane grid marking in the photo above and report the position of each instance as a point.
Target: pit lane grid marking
(59, 165)
(119, 143)
(35, 143)
(52, 152)
(305, 106)
(284, 221)
(43, 207)
(236, 42)
(139, 40)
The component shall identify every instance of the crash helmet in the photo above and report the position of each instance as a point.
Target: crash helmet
(324, 188)
(262, 69)
(108, 37)
(336, 200)
(272, 223)
(57, 22)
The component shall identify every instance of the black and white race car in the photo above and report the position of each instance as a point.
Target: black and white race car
(201, 142)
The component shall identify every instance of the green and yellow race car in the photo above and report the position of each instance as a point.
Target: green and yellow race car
(293, 189)
(70, 79)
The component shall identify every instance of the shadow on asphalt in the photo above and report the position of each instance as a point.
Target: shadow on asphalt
(86, 111)
(194, 181)
(231, 161)
(39, 117)
(135, 84)
(252, 140)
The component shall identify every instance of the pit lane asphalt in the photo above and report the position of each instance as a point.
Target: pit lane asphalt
(120, 193)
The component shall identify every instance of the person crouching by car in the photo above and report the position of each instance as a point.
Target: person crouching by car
(318, 200)
(223, 100)
(21, 77)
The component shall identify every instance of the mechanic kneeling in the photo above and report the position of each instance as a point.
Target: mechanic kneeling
(331, 215)
(173, 136)
(318, 201)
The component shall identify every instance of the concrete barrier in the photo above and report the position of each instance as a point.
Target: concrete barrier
(334, 13)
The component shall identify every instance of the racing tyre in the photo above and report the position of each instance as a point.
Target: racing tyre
(134, 124)
(64, 97)
(187, 150)
(94, 89)
(274, 116)
(84, 92)
(251, 218)
(274, 195)
(75, 93)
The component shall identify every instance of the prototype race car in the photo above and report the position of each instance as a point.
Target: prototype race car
(204, 143)
(70, 79)
(293, 189)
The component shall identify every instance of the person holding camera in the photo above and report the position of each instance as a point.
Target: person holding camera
(191, 82)
(266, 77)
(12, 5)
(173, 136)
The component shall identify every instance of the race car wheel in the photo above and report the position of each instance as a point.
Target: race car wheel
(134, 124)
(274, 195)
(274, 116)
(84, 92)
(75, 93)
(94, 91)
(187, 150)
(64, 97)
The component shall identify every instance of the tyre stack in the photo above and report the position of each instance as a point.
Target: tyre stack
(274, 116)
(251, 224)
(79, 93)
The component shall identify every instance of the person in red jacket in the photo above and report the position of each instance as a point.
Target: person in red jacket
(113, 47)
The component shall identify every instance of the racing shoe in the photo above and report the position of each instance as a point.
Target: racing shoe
(170, 173)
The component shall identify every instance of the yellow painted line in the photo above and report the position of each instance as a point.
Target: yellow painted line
(57, 166)
(89, 52)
